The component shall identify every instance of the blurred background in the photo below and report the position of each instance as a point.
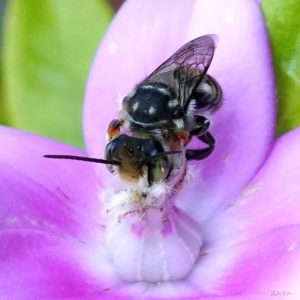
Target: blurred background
(47, 47)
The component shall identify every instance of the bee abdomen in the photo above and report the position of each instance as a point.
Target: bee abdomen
(208, 95)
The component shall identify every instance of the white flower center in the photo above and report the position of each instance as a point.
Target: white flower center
(148, 237)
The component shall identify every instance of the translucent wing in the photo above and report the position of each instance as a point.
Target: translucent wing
(186, 68)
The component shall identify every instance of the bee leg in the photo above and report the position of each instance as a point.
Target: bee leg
(198, 154)
(114, 128)
(201, 127)
(201, 131)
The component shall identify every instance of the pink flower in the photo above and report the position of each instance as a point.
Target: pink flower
(52, 243)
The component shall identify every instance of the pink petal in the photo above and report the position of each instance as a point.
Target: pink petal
(251, 269)
(50, 232)
(259, 265)
(253, 244)
(270, 200)
(36, 265)
(143, 35)
(55, 196)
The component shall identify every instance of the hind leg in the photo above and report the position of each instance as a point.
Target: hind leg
(198, 154)
(202, 133)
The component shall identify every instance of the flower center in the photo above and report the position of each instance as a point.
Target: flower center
(148, 237)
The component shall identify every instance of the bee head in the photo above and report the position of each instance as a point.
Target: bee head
(138, 158)
(133, 159)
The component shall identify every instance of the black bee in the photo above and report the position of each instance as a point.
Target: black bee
(161, 114)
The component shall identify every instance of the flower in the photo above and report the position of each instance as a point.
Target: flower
(247, 202)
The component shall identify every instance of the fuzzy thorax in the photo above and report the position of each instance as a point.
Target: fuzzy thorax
(148, 237)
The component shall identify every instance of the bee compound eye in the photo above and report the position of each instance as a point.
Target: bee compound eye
(158, 169)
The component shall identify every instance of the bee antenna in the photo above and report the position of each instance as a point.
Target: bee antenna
(161, 154)
(82, 158)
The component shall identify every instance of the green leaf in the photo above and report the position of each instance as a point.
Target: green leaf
(3, 112)
(283, 22)
(48, 49)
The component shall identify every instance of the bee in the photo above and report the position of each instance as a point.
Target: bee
(160, 116)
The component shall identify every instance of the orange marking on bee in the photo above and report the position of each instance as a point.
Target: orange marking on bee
(183, 136)
(112, 131)
(114, 128)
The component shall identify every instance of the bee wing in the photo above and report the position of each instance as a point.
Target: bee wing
(187, 67)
